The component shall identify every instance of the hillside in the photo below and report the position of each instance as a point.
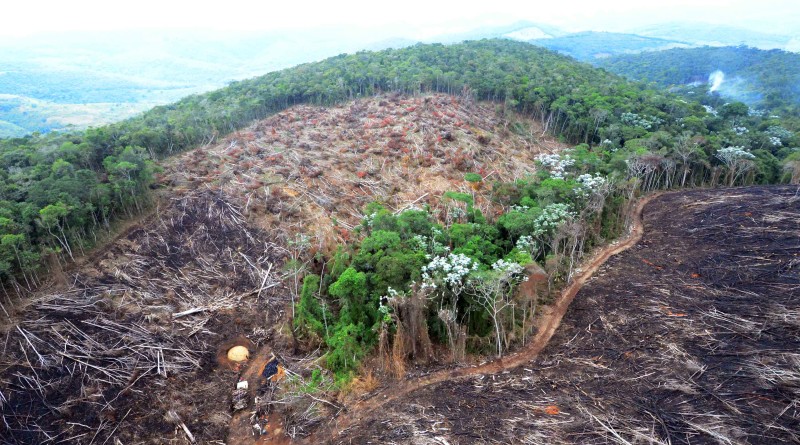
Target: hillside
(69, 75)
(679, 340)
(706, 34)
(331, 162)
(83, 79)
(85, 180)
(367, 219)
(767, 79)
(146, 317)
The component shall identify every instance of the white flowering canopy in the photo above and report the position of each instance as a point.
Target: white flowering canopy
(451, 269)
(555, 164)
(729, 155)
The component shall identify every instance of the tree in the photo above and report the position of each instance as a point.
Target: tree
(792, 166)
(734, 110)
(685, 149)
(52, 218)
(15, 241)
(351, 290)
(737, 160)
(492, 290)
(310, 316)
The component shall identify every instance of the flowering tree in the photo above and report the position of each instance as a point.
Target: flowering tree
(593, 189)
(737, 160)
(555, 164)
(492, 290)
(445, 275)
(550, 219)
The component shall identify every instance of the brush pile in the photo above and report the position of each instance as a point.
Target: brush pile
(132, 337)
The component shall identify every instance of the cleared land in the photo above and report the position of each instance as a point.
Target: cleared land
(692, 336)
(125, 348)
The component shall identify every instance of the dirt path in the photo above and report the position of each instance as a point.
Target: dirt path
(668, 342)
(366, 409)
(363, 410)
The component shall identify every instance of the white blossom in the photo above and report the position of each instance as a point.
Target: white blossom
(450, 269)
(779, 132)
(635, 120)
(589, 184)
(507, 267)
(369, 219)
(731, 154)
(430, 245)
(552, 216)
(525, 243)
(555, 164)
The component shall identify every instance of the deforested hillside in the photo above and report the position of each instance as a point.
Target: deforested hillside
(680, 339)
(283, 248)
(142, 329)
(81, 183)
(325, 164)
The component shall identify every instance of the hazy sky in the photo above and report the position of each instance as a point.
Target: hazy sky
(410, 18)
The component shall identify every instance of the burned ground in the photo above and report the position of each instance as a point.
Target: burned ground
(692, 336)
(135, 333)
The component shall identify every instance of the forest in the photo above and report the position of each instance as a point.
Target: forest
(59, 192)
(591, 46)
(764, 79)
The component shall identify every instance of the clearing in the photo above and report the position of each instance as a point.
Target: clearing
(129, 345)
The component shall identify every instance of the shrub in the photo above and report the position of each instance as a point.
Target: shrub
(309, 316)
(346, 349)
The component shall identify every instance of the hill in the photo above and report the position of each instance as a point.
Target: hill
(589, 46)
(661, 331)
(767, 79)
(225, 226)
(125, 73)
(356, 216)
(89, 79)
(85, 180)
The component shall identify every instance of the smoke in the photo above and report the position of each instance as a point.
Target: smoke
(715, 79)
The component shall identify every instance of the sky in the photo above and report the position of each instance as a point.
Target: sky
(406, 18)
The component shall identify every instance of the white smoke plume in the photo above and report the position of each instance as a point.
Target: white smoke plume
(715, 79)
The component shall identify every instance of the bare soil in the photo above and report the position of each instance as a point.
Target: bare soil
(691, 336)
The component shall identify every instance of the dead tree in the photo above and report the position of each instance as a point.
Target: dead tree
(493, 291)
(456, 334)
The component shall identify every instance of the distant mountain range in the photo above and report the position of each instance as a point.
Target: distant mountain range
(60, 81)
(700, 34)
(760, 78)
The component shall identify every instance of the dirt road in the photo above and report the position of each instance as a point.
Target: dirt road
(369, 408)
(689, 337)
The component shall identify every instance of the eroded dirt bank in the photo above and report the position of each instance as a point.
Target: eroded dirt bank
(691, 336)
